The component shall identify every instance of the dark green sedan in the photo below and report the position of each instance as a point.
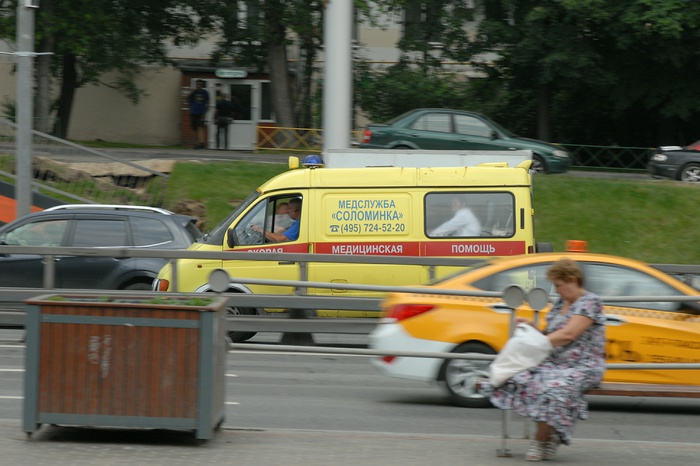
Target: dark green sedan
(444, 129)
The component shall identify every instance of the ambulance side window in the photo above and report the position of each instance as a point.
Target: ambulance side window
(271, 214)
(469, 214)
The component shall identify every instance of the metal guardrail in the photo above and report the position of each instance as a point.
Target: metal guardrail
(52, 178)
(12, 313)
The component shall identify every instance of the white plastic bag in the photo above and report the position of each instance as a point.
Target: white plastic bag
(525, 349)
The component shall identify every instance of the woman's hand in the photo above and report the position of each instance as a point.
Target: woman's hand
(521, 320)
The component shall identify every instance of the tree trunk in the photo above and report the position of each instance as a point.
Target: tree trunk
(304, 112)
(543, 113)
(279, 85)
(69, 83)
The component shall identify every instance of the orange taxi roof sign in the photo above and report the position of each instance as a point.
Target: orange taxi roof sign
(576, 245)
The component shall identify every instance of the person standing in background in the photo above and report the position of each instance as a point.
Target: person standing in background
(224, 116)
(199, 104)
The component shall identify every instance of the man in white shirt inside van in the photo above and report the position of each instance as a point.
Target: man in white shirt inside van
(463, 222)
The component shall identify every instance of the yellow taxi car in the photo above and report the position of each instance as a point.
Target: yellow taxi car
(648, 331)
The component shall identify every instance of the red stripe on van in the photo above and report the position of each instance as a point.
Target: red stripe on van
(407, 248)
(472, 248)
(277, 247)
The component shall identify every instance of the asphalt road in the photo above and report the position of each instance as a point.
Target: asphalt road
(337, 393)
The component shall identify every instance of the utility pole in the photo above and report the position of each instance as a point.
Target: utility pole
(25, 80)
(337, 83)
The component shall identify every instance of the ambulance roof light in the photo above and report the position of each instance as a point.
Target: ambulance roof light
(312, 161)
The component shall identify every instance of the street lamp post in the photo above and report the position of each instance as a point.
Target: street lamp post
(25, 78)
(337, 84)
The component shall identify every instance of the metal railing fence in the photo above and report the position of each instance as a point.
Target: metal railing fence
(609, 157)
(14, 297)
(131, 183)
(292, 139)
(583, 156)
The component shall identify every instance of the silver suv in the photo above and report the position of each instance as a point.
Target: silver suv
(86, 225)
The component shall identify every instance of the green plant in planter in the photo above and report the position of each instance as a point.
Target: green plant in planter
(194, 302)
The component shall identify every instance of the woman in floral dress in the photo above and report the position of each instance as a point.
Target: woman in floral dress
(552, 392)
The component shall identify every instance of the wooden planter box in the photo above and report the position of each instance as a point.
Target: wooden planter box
(108, 361)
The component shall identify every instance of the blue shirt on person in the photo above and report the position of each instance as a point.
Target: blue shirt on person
(199, 101)
(292, 232)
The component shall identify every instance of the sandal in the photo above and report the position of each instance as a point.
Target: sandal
(536, 451)
(550, 447)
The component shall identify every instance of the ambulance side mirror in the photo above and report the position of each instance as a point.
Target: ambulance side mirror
(230, 238)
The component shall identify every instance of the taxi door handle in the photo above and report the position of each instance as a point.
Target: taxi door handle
(614, 320)
(286, 263)
(501, 307)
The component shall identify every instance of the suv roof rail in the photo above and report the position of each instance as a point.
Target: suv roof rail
(110, 207)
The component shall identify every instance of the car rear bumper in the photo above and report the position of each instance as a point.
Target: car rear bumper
(392, 336)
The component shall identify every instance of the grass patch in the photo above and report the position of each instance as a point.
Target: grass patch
(650, 220)
(219, 185)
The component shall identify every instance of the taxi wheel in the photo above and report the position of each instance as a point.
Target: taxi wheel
(138, 286)
(460, 376)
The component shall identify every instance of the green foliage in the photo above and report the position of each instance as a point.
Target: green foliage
(384, 95)
(9, 109)
(158, 300)
(595, 72)
(89, 38)
(607, 70)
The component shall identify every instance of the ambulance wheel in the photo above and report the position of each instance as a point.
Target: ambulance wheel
(460, 376)
(240, 337)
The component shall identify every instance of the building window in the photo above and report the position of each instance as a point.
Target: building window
(422, 22)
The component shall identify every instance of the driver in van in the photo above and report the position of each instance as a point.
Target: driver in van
(282, 219)
(292, 233)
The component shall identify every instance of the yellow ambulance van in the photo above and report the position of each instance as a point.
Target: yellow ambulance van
(383, 207)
